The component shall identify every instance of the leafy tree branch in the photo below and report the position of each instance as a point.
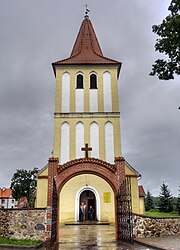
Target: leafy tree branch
(168, 44)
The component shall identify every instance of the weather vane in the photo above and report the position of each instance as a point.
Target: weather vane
(86, 11)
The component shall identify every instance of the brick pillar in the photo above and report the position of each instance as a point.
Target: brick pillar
(52, 172)
(120, 169)
(120, 173)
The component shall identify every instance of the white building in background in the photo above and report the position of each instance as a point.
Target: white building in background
(6, 199)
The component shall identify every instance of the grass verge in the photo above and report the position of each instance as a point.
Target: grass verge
(156, 213)
(27, 242)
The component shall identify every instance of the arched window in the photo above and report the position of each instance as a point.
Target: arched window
(65, 143)
(93, 81)
(109, 142)
(66, 92)
(94, 139)
(79, 95)
(107, 92)
(79, 139)
(79, 81)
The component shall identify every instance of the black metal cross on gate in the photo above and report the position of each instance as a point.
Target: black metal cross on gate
(86, 149)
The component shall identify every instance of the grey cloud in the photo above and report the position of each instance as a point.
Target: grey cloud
(36, 33)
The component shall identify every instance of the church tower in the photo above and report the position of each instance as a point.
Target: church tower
(87, 103)
(87, 164)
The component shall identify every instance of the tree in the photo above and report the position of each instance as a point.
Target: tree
(178, 203)
(168, 44)
(165, 199)
(23, 183)
(149, 204)
(156, 201)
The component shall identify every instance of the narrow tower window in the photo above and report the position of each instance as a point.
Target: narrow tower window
(65, 93)
(79, 81)
(109, 142)
(79, 139)
(107, 92)
(93, 81)
(94, 139)
(65, 143)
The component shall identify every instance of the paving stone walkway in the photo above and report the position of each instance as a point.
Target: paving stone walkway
(92, 237)
(165, 242)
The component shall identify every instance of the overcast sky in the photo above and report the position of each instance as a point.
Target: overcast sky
(33, 34)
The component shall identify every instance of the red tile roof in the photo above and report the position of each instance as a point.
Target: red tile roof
(86, 49)
(5, 192)
(141, 191)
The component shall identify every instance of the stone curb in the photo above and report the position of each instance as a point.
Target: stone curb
(2, 246)
(148, 244)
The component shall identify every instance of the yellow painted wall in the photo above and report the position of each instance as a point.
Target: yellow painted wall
(42, 188)
(86, 70)
(141, 205)
(100, 120)
(86, 117)
(129, 171)
(134, 195)
(68, 194)
(44, 172)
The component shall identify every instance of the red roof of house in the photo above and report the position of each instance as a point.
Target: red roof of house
(141, 191)
(5, 192)
(86, 49)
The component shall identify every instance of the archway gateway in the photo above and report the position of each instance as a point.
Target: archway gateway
(58, 175)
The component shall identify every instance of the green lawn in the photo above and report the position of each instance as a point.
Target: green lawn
(7, 241)
(156, 213)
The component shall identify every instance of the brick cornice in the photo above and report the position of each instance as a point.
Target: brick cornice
(131, 175)
(119, 158)
(43, 177)
(53, 159)
(99, 162)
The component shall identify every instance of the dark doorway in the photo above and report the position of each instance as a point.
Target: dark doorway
(88, 198)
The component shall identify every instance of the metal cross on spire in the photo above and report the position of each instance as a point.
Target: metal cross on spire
(86, 149)
(86, 11)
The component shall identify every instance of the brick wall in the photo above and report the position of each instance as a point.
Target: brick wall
(23, 223)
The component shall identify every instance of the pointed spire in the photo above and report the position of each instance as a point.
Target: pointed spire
(86, 49)
(86, 41)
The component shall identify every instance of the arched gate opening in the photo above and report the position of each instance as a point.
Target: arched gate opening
(113, 174)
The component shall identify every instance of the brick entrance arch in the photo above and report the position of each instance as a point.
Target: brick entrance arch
(58, 175)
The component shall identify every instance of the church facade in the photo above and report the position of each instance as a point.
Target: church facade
(87, 162)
